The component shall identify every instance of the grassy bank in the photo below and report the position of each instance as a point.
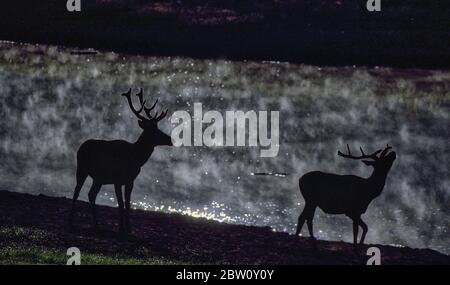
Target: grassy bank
(16, 255)
(17, 249)
(34, 231)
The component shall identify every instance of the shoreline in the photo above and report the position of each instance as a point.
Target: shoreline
(34, 222)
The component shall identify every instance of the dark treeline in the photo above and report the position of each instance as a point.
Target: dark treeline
(411, 33)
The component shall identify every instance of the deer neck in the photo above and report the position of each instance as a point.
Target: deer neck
(377, 181)
(143, 149)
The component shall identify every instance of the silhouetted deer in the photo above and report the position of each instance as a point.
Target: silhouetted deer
(119, 162)
(344, 194)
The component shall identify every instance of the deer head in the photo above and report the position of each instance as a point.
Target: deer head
(383, 161)
(152, 135)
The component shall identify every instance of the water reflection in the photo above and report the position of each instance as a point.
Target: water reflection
(53, 100)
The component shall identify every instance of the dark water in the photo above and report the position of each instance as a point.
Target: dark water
(51, 101)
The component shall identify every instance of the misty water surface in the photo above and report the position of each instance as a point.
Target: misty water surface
(52, 100)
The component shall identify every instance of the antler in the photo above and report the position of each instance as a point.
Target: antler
(362, 156)
(140, 95)
(148, 110)
(130, 103)
(162, 116)
(388, 147)
(158, 117)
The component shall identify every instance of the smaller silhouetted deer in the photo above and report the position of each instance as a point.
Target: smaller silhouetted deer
(345, 194)
(119, 162)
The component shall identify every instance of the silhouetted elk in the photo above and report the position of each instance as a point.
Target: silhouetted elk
(345, 194)
(119, 162)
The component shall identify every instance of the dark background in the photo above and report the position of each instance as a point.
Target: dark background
(408, 33)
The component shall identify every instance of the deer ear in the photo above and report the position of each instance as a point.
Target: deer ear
(141, 124)
(369, 162)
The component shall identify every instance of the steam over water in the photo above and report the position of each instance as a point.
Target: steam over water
(52, 101)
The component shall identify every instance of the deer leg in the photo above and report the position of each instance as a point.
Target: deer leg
(364, 228)
(93, 192)
(309, 219)
(301, 222)
(81, 177)
(128, 189)
(118, 189)
(355, 230)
